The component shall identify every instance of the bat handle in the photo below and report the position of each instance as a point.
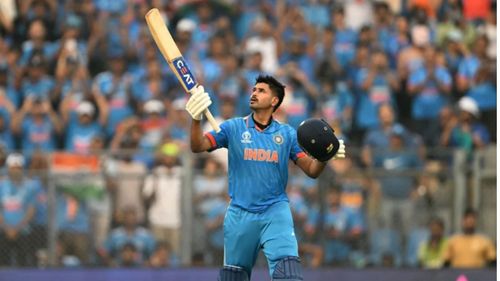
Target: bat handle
(212, 121)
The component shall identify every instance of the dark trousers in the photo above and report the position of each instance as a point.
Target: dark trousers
(16, 252)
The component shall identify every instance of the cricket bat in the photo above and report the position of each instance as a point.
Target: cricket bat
(173, 55)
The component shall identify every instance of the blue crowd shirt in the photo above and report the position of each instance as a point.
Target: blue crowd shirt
(141, 238)
(17, 199)
(345, 46)
(40, 89)
(380, 92)
(258, 161)
(41, 216)
(118, 99)
(396, 186)
(38, 136)
(79, 136)
(468, 67)
(485, 95)
(429, 102)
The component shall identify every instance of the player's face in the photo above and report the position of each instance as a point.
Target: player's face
(262, 97)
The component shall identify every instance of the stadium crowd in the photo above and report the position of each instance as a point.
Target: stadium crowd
(83, 81)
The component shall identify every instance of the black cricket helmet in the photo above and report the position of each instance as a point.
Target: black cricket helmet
(317, 139)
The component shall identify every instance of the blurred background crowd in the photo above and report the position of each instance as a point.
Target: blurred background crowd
(96, 169)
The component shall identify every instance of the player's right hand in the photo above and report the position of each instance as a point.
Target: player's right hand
(341, 152)
(198, 102)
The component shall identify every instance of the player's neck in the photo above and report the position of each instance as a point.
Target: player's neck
(262, 117)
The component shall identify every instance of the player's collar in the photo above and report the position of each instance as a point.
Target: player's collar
(251, 124)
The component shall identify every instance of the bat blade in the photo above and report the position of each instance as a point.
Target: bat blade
(173, 56)
(169, 49)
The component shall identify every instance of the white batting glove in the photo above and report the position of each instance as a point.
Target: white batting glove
(341, 152)
(198, 102)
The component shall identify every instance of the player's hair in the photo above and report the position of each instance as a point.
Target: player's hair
(276, 87)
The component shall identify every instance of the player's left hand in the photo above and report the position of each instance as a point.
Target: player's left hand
(341, 152)
(198, 102)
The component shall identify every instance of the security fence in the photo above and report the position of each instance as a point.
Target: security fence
(145, 210)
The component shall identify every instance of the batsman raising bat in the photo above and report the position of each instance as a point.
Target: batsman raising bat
(259, 147)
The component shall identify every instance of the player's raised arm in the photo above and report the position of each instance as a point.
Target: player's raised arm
(198, 102)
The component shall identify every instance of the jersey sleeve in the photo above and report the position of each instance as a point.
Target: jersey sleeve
(296, 151)
(220, 139)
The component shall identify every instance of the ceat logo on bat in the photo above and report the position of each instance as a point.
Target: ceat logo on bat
(184, 72)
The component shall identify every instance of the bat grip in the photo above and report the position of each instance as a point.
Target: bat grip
(212, 121)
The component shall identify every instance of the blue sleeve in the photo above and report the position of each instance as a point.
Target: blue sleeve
(150, 244)
(462, 68)
(220, 139)
(109, 243)
(25, 126)
(443, 76)
(346, 98)
(31, 197)
(483, 133)
(296, 151)
(360, 77)
(417, 77)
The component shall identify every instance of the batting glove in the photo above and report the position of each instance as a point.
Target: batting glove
(198, 102)
(341, 152)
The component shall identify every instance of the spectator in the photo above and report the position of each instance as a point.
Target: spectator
(397, 206)
(129, 257)
(299, 101)
(213, 222)
(398, 40)
(154, 125)
(343, 229)
(345, 38)
(466, 132)
(379, 138)
(209, 189)
(162, 193)
(18, 201)
(161, 258)
(114, 85)
(129, 233)
(73, 226)
(7, 89)
(149, 85)
(265, 42)
(430, 252)
(179, 120)
(376, 85)
(469, 249)
(471, 62)
(101, 183)
(37, 124)
(430, 85)
(37, 84)
(128, 176)
(337, 105)
(7, 110)
(38, 44)
(232, 84)
(38, 170)
(484, 93)
(79, 136)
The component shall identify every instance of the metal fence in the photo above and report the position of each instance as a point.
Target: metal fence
(124, 210)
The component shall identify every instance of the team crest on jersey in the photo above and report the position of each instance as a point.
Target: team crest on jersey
(246, 137)
(278, 139)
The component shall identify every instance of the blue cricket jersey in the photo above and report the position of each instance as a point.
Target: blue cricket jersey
(258, 161)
